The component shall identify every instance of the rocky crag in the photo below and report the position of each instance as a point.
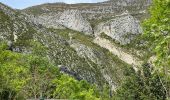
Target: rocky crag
(122, 28)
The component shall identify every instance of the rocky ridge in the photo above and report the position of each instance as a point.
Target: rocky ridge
(119, 19)
(110, 6)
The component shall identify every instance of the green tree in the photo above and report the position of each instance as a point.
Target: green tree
(142, 85)
(68, 88)
(13, 73)
(157, 31)
(41, 74)
(24, 76)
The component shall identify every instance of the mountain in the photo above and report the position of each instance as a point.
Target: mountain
(89, 40)
(94, 13)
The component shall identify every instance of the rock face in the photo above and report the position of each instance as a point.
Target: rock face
(73, 19)
(92, 10)
(122, 29)
(49, 21)
(74, 16)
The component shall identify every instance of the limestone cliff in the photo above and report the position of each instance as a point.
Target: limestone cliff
(78, 16)
(122, 28)
(73, 19)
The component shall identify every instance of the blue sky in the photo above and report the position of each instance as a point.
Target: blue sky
(20, 4)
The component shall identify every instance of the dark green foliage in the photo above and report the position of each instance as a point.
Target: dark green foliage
(142, 85)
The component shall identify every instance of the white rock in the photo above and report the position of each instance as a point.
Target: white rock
(122, 28)
(73, 19)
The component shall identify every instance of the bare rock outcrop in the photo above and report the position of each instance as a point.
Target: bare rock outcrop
(122, 29)
(49, 21)
(73, 19)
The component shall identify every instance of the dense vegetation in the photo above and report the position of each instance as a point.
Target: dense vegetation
(157, 31)
(143, 85)
(25, 76)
